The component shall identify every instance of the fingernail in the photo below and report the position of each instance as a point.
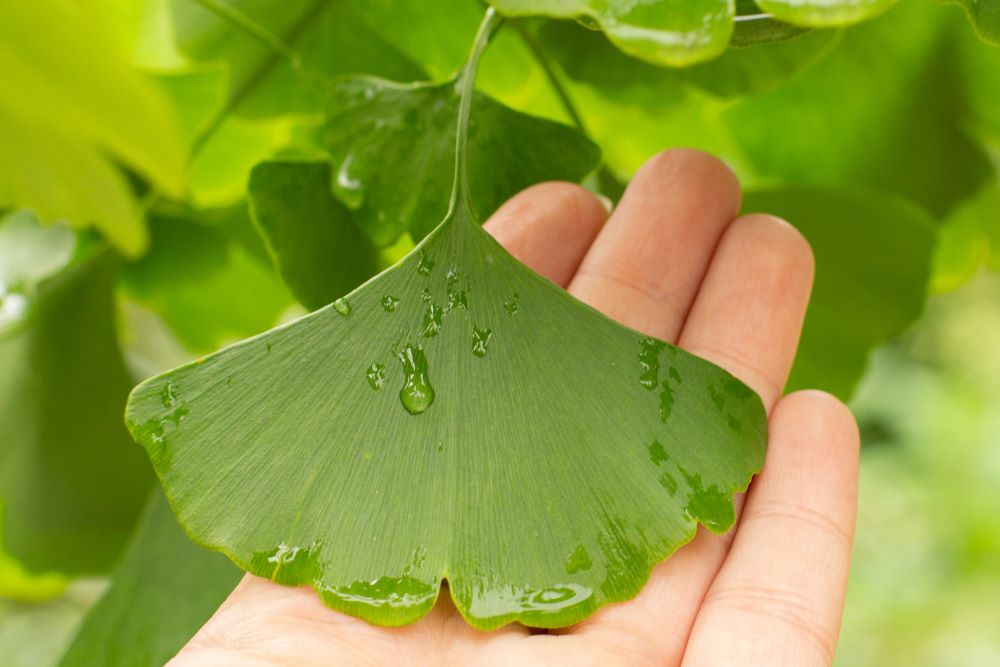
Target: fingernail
(605, 202)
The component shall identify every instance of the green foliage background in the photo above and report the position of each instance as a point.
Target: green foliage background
(143, 136)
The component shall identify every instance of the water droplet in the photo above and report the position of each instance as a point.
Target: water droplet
(735, 425)
(440, 446)
(432, 321)
(711, 506)
(649, 362)
(168, 395)
(675, 375)
(269, 347)
(657, 454)
(342, 306)
(347, 186)
(513, 305)
(389, 303)
(666, 401)
(417, 393)
(457, 299)
(578, 560)
(425, 295)
(376, 376)
(452, 276)
(480, 339)
(425, 265)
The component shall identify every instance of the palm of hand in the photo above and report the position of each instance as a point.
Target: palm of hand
(674, 261)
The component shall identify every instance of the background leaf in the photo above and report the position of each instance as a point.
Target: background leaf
(660, 32)
(70, 480)
(163, 590)
(985, 16)
(825, 13)
(873, 258)
(370, 119)
(316, 246)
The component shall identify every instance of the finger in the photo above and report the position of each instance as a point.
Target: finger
(645, 266)
(747, 317)
(549, 227)
(780, 595)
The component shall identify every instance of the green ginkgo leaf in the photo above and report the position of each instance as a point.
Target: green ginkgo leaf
(456, 418)
(663, 32)
(825, 13)
(380, 135)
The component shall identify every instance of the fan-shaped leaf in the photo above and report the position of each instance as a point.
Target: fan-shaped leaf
(456, 417)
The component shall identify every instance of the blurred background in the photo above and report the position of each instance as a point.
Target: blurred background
(904, 106)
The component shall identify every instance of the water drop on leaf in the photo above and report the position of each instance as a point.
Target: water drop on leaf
(342, 306)
(417, 393)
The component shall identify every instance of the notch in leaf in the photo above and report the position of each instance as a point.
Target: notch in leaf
(457, 417)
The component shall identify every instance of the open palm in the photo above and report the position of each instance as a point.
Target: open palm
(673, 261)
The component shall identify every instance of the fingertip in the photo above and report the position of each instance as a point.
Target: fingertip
(817, 416)
(718, 182)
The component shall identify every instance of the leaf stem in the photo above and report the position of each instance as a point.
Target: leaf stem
(466, 86)
(553, 78)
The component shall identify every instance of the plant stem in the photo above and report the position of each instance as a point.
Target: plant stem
(553, 78)
(466, 87)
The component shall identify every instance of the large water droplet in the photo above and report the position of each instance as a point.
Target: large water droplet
(347, 186)
(480, 339)
(342, 306)
(425, 265)
(417, 393)
(457, 299)
(168, 395)
(432, 321)
(389, 303)
(376, 376)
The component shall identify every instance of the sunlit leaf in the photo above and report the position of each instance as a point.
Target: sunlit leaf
(873, 256)
(316, 245)
(70, 480)
(969, 239)
(588, 58)
(163, 590)
(825, 13)
(371, 120)
(19, 585)
(663, 32)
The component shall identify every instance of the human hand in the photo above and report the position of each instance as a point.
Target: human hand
(673, 261)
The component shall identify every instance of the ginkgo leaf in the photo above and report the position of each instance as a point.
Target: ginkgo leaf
(754, 26)
(370, 119)
(825, 13)
(663, 32)
(460, 418)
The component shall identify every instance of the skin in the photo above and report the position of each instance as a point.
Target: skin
(673, 261)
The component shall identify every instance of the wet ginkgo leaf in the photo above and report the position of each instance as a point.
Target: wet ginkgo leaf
(825, 13)
(456, 418)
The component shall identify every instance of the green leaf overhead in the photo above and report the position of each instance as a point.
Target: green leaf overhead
(985, 16)
(70, 480)
(372, 119)
(873, 256)
(586, 57)
(825, 13)
(754, 26)
(430, 426)
(162, 591)
(281, 68)
(663, 32)
(315, 243)
(68, 114)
